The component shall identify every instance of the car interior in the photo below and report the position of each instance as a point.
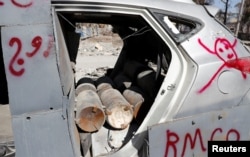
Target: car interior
(140, 68)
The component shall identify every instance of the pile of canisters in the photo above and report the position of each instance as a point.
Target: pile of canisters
(97, 102)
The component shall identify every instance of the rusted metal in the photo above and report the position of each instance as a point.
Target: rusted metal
(119, 112)
(90, 115)
(135, 97)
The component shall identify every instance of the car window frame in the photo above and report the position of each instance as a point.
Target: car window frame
(178, 38)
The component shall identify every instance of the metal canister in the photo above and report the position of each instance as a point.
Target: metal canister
(135, 97)
(90, 115)
(119, 112)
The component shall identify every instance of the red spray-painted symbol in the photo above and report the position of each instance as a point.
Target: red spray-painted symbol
(17, 60)
(20, 61)
(50, 45)
(225, 51)
(18, 4)
(36, 43)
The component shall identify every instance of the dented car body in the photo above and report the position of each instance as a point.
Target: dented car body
(189, 72)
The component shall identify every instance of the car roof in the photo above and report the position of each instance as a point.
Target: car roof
(129, 2)
(160, 4)
(184, 7)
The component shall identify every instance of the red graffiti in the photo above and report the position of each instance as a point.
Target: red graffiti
(231, 131)
(225, 51)
(188, 137)
(173, 140)
(36, 43)
(20, 61)
(50, 45)
(242, 64)
(18, 4)
(22, 5)
(193, 142)
(213, 133)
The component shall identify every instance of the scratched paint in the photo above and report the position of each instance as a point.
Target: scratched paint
(224, 50)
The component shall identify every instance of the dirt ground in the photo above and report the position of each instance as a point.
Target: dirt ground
(96, 54)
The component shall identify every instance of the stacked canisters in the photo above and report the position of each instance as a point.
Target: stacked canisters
(97, 102)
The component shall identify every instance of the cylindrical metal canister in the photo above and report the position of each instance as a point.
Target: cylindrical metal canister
(90, 115)
(85, 83)
(135, 97)
(119, 112)
(103, 83)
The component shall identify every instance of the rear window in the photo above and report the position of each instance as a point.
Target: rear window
(179, 28)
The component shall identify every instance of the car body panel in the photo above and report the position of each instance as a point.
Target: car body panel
(221, 75)
(194, 141)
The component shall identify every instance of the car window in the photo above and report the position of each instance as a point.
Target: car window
(178, 27)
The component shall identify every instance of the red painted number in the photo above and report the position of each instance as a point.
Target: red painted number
(36, 43)
(20, 61)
